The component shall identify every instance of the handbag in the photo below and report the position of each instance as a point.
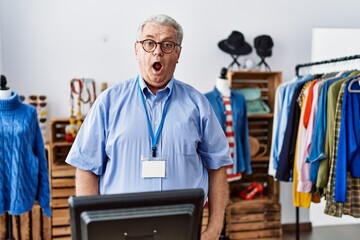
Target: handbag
(254, 103)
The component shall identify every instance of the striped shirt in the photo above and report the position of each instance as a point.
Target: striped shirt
(231, 173)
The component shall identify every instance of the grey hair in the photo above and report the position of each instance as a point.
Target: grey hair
(163, 19)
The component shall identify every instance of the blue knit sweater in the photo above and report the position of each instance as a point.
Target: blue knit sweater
(23, 163)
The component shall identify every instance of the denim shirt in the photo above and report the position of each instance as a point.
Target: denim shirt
(240, 124)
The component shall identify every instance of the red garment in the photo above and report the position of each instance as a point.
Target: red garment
(308, 105)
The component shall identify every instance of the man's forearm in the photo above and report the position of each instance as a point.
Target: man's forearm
(86, 182)
(218, 199)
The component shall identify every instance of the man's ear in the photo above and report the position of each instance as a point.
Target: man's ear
(179, 53)
(136, 49)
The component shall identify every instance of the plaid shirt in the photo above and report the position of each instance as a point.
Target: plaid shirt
(352, 205)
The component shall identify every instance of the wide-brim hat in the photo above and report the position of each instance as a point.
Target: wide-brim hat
(263, 45)
(235, 44)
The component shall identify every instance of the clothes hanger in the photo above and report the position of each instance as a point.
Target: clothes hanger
(356, 79)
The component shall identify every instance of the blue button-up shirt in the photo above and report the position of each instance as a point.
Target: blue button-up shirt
(115, 136)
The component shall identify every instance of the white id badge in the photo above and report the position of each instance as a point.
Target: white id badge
(153, 167)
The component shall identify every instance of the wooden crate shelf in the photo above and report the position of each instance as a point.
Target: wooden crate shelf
(57, 130)
(259, 218)
(254, 219)
(30, 225)
(63, 172)
(63, 182)
(62, 179)
(205, 218)
(59, 154)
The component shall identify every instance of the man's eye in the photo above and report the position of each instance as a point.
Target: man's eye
(167, 45)
(149, 43)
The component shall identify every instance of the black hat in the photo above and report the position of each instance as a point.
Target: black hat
(235, 44)
(263, 45)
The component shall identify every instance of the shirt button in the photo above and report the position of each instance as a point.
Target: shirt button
(156, 122)
(156, 103)
(333, 211)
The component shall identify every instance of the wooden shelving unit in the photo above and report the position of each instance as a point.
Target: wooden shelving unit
(62, 180)
(259, 218)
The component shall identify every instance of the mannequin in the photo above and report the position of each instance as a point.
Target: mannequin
(222, 83)
(230, 109)
(5, 92)
(23, 163)
(223, 88)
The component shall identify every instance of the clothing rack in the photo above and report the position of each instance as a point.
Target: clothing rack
(334, 60)
(310, 64)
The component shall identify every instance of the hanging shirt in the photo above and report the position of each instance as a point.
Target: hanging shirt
(310, 127)
(300, 199)
(240, 126)
(303, 167)
(332, 207)
(231, 173)
(287, 151)
(316, 153)
(317, 147)
(23, 164)
(348, 159)
(278, 106)
(332, 96)
(115, 136)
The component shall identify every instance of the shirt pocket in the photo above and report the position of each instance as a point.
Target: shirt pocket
(185, 138)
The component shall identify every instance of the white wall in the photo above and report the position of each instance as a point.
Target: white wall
(329, 43)
(46, 43)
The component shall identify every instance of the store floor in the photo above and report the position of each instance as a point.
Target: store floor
(337, 232)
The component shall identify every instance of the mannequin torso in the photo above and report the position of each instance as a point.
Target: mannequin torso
(4, 94)
(223, 86)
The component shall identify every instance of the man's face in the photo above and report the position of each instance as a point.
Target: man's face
(157, 67)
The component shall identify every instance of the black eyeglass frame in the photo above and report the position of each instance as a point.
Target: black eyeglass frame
(158, 43)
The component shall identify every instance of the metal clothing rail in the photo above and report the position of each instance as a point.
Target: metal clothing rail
(334, 60)
(310, 64)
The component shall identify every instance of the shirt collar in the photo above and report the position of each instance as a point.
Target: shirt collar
(146, 91)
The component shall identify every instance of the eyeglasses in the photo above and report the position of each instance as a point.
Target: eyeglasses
(150, 45)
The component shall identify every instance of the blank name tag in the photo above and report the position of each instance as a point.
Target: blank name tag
(153, 168)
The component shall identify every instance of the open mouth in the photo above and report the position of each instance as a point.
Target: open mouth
(157, 66)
